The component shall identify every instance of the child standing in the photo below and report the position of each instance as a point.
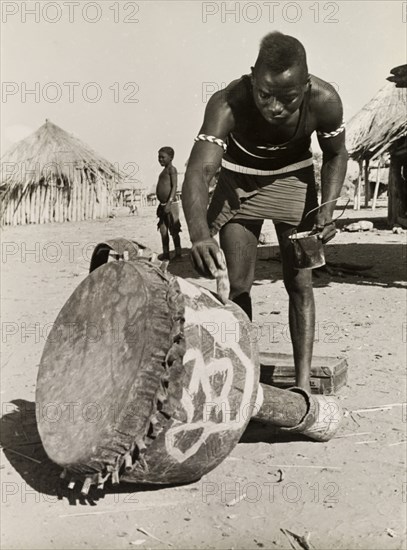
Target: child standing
(168, 209)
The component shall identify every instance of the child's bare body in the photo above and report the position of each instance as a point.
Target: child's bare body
(163, 190)
(168, 209)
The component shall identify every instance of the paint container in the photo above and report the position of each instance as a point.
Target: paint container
(308, 250)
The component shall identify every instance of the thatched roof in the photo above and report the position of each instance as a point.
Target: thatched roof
(130, 184)
(51, 154)
(378, 124)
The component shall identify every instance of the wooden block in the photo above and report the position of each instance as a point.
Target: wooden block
(267, 252)
(328, 374)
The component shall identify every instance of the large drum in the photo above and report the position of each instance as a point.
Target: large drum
(144, 377)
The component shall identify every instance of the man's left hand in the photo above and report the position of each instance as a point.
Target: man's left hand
(324, 228)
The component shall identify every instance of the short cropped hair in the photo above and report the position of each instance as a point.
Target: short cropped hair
(169, 150)
(279, 52)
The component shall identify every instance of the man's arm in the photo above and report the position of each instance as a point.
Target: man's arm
(331, 138)
(203, 164)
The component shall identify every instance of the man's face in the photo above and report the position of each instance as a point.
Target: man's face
(164, 158)
(278, 95)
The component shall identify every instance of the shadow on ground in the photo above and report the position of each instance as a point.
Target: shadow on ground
(23, 448)
(372, 264)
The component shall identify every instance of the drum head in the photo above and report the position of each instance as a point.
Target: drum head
(90, 369)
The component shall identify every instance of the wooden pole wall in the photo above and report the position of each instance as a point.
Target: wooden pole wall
(88, 197)
(367, 186)
(356, 198)
(376, 188)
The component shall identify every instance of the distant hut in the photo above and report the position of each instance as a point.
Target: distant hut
(376, 133)
(51, 176)
(130, 193)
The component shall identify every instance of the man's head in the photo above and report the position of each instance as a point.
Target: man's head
(165, 155)
(279, 77)
(279, 52)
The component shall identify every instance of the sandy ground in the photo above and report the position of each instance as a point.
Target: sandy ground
(348, 493)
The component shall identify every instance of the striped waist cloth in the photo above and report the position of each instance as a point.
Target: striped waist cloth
(283, 195)
(257, 172)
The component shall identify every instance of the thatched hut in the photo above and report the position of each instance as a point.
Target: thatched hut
(377, 133)
(51, 176)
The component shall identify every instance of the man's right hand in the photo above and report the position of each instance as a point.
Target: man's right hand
(207, 257)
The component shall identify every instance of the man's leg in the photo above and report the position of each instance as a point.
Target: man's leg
(177, 244)
(165, 239)
(239, 243)
(298, 283)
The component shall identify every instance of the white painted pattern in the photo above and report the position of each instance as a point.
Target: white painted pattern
(202, 375)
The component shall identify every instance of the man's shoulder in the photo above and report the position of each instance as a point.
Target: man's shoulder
(172, 169)
(223, 98)
(325, 103)
(219, 105)
(323, 94)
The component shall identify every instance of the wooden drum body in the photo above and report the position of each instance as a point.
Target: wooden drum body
(145, 377)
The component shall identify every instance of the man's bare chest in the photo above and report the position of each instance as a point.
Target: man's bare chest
(272, 133)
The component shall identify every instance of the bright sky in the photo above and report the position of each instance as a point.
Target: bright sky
(88, 62)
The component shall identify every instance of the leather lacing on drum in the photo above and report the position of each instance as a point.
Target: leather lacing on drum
(169, 392)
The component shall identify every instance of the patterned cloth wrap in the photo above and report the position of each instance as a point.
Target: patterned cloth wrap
(286, 198)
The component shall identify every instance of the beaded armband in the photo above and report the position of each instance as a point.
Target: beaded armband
(332, 134)
(212, 139)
